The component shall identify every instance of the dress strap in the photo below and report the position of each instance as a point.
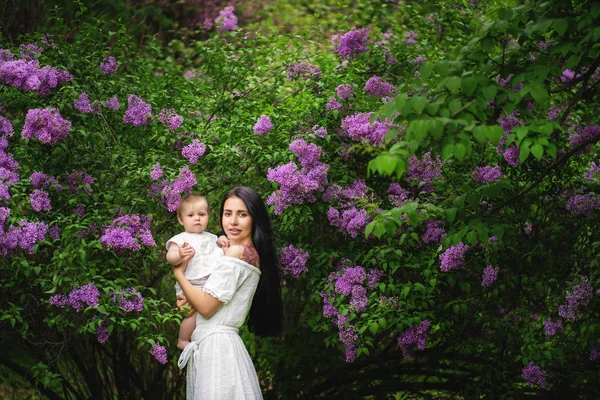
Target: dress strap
(203, 334)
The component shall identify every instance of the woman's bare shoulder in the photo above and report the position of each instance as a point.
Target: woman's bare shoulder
(244, 253)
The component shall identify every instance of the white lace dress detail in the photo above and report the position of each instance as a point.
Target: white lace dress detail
(218, 364)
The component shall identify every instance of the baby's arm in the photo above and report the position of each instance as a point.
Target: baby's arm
(223, 242)
(176, 254)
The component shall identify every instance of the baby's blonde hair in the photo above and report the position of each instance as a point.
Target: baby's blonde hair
(191, 198)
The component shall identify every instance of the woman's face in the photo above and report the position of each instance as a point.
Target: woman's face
(237, 222)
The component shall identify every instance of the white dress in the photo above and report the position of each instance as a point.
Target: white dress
(206, 259)
(218, 364)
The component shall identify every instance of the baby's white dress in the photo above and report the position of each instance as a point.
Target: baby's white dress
(204, 262)
(218, 364)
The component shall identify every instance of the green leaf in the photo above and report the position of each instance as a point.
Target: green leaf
(451, 214)
(479, 133)
(489, 92)
(453, 83)
(425, 70)
(538, 151)
(373, 327)
(418, 103)
(494, 133)
(560, 26)
(523, 154)
(539, 93)
(469, 85)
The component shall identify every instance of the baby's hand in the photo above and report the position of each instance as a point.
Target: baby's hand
(223, 242)
(186, 252)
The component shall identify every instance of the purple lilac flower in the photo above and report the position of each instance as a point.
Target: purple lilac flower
(54, 232)
(352, 43)
(113, 103)
(59, 300)
(102, 331)
(453, 257)
(40, 180)
(397, 195)
(359, 299)
(533, 374)
(319, 131)
(332, 193)
(170, 119)
(594, 354)
(511, 155)
(358, 127)
(6, 127)
(28, 75)
(40, 201)
(79, 211)
(108, 65)
(410, 38)
(171, 193)
(352, 221)
(308, 153)
(490, 274)
(487, 174)
(226, 21)
(126, 230)
(293, 260)
(377, 87)
(552, 327)
(30, 51)
(425, 170)
(344, 91)
(584, 204)
(82, 104)
(553, 112)
(157, 172)
(304, 70)
(333, 104)
(350, 276)
(160, 352)
(129, 300)
(84, 295)
(4, 213)
(296, 186)
(528, 228)
(419, 59)
(47, 125)
(507, 123)
(373, 277)
(138, 113)
(357, 189)
(79, 181)
(584, 135)
(193, 151)
(434, 233)
(263, 125)
(27, 234)
(568, 75)
(415, 337)
(579, 295)
(591, 171)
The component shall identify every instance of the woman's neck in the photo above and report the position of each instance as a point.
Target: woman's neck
(245, 242)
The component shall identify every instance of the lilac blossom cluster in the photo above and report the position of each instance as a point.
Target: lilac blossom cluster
(47, 125)
(358, 127)
(128, 231)
(490, 274)
(293, 260)
(333, 104)
(344, 91)
(102, 334)
(82, 104)
(108, 65)
(129, 300)
(579, 295)
(425, 171)
(156, 172)
(511, 155)
(552, 327)
(533, 374)
(592, 172)
(415, 337)
(583, 204)
(351, 221)
(6, 128)
(304, 70)
(398, 195)
(263, 125)
(169, 118)
(79, 181)
(159, 352)
(319, 131)
(298, 186)
(170, 193)
(40, 200)
(138, 113)
(192, 152)
(8, 166)
(587, 134)
(410, 38)
(379, 88)
(453, 257)
(78, 298)
(227, 20)
(434, 233)
(24, 236)
(113, 103)
(351, 43)
(28, 75)
(40, 180)
(487, 174)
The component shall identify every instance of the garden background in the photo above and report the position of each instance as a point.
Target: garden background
(431, 169)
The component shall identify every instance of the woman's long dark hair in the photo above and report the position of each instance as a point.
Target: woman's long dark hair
(266, 312)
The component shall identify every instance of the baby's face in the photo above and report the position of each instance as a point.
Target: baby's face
(194, 216)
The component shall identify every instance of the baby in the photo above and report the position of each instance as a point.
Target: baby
(193, 214)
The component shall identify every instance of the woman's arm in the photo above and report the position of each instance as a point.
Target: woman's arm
(202, 302)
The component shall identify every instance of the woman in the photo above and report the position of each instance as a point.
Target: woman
(245, 282)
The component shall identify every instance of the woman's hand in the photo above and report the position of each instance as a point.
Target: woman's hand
(183, 304)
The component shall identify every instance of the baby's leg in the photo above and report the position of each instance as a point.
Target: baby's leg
(185, 331)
